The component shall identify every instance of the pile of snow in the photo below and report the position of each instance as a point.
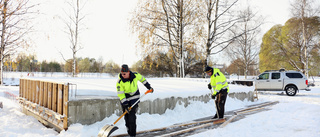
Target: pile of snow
(293, 116)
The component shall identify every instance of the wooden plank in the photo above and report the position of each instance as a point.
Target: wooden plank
(60, 99)
(29, 90)
(50, 95)
(37, 91)
(20, 89)
(54, 97)
(33, 105)
(65, 105)
(41, 93)
(45, 91)
(25, 88)
(26, 82)
(42, 120)
(191, 129)
(41, 109)
(48, 112)
(58, 117)
(228, 121)
(33, 90)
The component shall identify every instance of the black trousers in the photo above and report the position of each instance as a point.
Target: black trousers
(220, 102)
(130, 119)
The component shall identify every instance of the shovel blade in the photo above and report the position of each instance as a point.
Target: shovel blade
(107, 130)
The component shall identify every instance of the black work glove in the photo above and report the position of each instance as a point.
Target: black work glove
(209, 86)
(126, 107)
(213, 96)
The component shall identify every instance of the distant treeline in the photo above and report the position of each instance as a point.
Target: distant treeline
(147, 66)
(24, 63)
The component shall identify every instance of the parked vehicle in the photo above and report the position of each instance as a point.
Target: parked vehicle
(281, 80)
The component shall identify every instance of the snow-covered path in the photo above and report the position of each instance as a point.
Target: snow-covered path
(293, 117)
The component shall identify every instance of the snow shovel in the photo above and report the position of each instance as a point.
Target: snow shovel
(218, 120)
(215, 105)
(108, 129)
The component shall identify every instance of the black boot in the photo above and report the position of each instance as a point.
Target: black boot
(215, 116)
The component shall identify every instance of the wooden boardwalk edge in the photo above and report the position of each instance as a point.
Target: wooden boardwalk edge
(195, 125)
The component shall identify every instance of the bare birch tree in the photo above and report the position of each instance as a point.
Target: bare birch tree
(220, 20)
(73, 24)
(304, 9)
(14, 19)
(170, 25)
(245, 48)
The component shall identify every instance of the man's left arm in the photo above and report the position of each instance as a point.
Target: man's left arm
(144, 81)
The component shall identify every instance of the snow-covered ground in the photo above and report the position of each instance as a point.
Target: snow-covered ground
(293, 116)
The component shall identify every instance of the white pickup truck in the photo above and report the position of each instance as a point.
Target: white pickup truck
(281, 80)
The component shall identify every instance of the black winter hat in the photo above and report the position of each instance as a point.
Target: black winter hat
(125, 68)
(208, 69)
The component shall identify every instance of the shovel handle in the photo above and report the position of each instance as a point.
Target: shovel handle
(148, 91)
(120, 117)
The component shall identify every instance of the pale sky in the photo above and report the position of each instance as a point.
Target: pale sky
(107, 31)
(105, 35)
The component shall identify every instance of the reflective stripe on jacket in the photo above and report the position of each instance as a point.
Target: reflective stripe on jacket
(218, 81)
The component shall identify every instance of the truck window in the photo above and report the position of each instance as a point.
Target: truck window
(275, 75)
(264, 76)
(294, 75)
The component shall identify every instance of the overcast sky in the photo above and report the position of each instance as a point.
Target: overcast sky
(106, 33)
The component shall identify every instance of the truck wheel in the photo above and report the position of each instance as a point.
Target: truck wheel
(291, 90)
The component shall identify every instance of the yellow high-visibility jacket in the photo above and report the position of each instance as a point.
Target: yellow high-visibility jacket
(127, 89)
(218, 81)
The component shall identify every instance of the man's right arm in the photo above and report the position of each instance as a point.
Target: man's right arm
(120, 93)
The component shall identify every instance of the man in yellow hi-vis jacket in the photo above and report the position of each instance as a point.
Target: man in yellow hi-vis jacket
(219, 84)
(128, 93)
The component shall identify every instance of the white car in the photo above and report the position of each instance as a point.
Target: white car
(281, 80)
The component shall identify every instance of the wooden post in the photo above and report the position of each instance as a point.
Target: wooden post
(20, 88)
(33, 90)
(37, 91)
(41, 94)
(54, 97)
(60, 97)
(65, 105)
(50, 95)
(29, 90)
(25, 87)
(45, 92)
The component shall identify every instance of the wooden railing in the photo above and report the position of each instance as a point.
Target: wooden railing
(46, 101)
